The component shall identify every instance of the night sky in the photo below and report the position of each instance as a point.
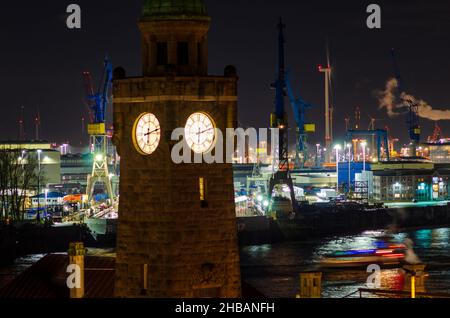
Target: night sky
(42, 60)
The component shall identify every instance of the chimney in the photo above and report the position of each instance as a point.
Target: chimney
(76, 257)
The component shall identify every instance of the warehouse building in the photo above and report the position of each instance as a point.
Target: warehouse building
(407, 182)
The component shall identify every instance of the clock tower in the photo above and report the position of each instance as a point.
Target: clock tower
(177, 234)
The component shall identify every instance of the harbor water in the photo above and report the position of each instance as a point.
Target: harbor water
(274, 269)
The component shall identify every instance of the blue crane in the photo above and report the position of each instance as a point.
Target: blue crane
(97, 104)
(299, 107)
(413, 109)
(99, 101)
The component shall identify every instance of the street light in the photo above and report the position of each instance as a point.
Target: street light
(317, 155)
(38, 218)
(337, 148)
(363, 145)
(349, 146)
(45, 209)
(23, 179)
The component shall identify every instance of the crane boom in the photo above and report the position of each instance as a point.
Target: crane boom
(99, 101)
(279, 120)
(299, 107)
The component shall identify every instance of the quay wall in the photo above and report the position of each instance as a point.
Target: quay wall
(328, 221)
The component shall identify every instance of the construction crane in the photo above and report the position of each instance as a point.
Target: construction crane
(437, 134)
(413, 109)
(98, 103)
(299, 107)
(392, 141)
(381, 136)
(279, 120)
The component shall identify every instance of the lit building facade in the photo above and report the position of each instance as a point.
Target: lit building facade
(431, 183)
(439, 153)
(50, 159)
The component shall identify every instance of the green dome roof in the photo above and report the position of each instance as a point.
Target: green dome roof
(174, 10)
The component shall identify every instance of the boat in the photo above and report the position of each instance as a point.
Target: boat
(390, 255)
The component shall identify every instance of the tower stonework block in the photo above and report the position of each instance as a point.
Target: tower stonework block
(177, 235)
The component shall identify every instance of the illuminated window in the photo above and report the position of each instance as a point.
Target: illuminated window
(202, 191)
(144, 279)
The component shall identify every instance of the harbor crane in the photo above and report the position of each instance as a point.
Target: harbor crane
(279, 120)
(299, 107)
(98, 102)
(413, 109)
(381, 136)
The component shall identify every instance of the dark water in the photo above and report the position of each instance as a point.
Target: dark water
(8, 273)
(274, 269)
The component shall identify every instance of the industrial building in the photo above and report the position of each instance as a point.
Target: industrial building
(402, 182)
(50, 201)
(49, 158)
(75, 169)
(439, 152)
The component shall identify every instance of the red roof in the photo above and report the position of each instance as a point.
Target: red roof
(47, 279)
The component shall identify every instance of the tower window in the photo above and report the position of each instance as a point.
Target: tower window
(183, 53)
(161, 53)
(202, 192)
(144, 279)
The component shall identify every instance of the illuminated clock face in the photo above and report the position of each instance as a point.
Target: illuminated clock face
(146, 134)
(200, 132)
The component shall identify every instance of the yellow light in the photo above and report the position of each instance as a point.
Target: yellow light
(201, 182)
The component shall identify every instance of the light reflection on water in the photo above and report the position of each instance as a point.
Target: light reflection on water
(274, 269)
(8, 273)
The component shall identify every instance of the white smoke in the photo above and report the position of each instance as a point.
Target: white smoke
(394, 107)
(411, 256)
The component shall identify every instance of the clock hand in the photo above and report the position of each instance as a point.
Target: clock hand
(152, 132)
(205, 131)
(149, 133)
